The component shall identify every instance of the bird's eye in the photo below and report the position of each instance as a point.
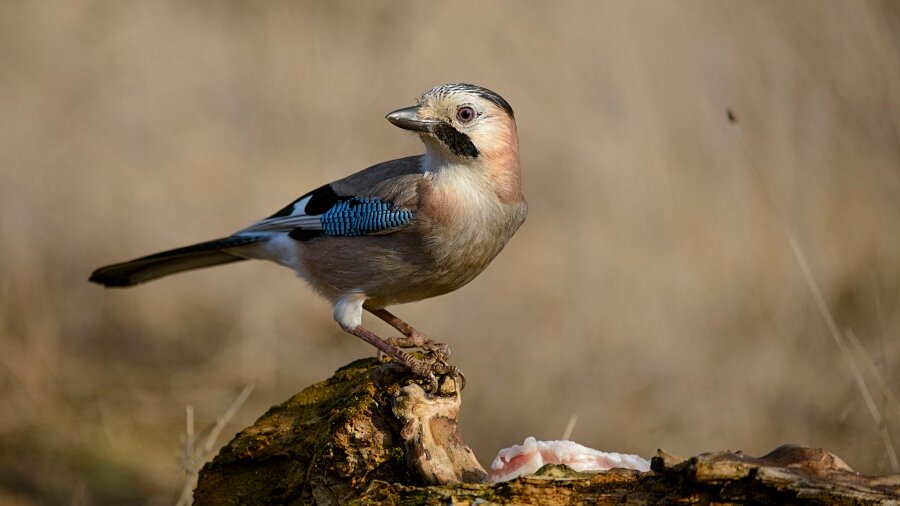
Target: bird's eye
(466, 114)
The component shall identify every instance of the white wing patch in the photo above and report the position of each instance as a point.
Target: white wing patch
(297, 218)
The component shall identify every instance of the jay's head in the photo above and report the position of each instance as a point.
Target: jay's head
(462, 120)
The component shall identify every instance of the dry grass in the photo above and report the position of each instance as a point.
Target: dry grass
(651, 292)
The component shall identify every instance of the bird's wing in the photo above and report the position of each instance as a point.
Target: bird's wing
(377, 200)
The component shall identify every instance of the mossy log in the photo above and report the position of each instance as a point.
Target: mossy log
(369, 435)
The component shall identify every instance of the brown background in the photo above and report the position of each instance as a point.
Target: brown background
(652, 291)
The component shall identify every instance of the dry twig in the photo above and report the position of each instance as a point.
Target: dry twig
(192, 458)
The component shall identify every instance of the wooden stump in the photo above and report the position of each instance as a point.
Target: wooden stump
(326, 444)
(370, 435)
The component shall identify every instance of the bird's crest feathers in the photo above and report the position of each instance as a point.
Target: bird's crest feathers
(448, 89)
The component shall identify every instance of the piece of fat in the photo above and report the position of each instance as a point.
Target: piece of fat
(527, 458)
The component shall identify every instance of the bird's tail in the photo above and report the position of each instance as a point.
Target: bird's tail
(204, 254)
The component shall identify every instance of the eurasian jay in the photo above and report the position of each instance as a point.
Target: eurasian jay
(396, 232)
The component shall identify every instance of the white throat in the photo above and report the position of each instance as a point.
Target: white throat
(467, 180)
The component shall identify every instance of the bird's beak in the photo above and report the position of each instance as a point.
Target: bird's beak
(408, 119)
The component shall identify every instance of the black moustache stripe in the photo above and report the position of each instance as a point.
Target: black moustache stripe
(458, 142)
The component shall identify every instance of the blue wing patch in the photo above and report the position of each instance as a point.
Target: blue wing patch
(353, 217)
(360, 216)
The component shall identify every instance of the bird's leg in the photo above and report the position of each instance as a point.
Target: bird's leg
(412, 337)
(416, 366)
(415, 339)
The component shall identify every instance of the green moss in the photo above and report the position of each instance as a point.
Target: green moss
(316, 440)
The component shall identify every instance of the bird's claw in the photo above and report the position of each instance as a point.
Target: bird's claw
(431, 383)
(432, 371)
(441, 368)
(430, 368)
(441, 351)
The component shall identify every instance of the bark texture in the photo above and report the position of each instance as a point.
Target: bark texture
(369, 435)
(327, 443)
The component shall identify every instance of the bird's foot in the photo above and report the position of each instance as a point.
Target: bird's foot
(443, 369)
(416, 340)
(439, 368)
(432, 366)
(436, 349)
(430, 369)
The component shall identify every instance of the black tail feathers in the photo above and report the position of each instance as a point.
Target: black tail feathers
(140, 270)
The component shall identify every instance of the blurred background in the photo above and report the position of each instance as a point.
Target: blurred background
(652, 293)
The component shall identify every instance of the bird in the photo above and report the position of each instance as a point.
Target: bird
(397, 232)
